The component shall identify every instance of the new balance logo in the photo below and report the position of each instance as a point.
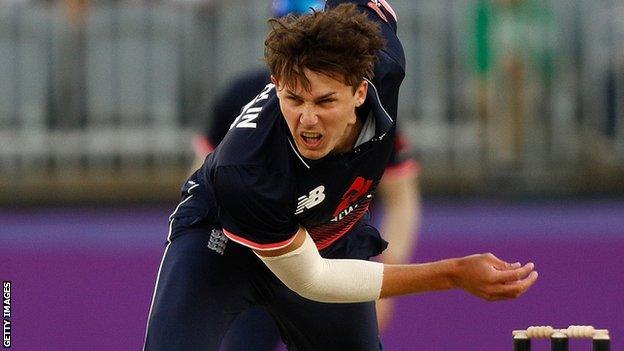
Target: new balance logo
(217, 241)
(315, 197)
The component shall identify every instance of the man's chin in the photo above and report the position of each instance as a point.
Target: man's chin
(312, 154)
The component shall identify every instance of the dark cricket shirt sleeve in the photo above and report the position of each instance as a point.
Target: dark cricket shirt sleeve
(255, 206)
(229, 103)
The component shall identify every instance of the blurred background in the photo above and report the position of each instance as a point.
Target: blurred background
(514, 108)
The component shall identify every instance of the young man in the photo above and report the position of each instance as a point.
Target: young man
(276, 215)
(398, 189)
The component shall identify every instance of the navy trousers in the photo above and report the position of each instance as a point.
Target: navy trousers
(205, 282)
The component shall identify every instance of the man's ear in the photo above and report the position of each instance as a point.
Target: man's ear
(275, 82)
(360, 93)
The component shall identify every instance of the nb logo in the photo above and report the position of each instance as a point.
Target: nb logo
(315, 197)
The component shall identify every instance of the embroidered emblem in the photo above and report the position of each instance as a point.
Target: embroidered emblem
(217, 241)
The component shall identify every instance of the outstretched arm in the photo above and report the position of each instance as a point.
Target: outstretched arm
(483, 275)
(300, 267)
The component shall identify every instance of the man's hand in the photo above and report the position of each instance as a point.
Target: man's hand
(491, 278)
(483, 275)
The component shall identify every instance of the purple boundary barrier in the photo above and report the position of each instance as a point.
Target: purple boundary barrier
(82, 279)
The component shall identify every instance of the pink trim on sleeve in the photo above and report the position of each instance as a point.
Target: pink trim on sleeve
(257, 246)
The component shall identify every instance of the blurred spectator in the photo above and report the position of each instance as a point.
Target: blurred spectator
(76, 11)
(68, 90)
(514, 57)
(615, 71)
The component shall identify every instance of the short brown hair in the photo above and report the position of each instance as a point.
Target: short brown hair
(340, 42)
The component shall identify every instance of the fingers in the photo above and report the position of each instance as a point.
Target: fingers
(496, 262)
(500, 264)
(514, 273)
(511, 283)
(491, 278)
(518, 287)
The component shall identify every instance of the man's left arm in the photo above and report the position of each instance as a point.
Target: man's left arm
(400, 195)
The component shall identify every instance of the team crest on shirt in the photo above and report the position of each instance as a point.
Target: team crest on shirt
(217, 241)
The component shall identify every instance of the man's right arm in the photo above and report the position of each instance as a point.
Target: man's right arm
(483, 275)
(300, 267)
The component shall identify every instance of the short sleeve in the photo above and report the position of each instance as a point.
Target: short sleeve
(255, 206)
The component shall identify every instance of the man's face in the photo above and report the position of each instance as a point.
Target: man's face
(322, 120)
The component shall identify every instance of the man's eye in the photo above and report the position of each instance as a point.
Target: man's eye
(326, 101)
(293, 98)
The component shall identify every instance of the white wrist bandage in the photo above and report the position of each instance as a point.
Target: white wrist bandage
(326, 280)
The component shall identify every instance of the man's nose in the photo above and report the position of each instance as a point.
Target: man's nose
(308, 116)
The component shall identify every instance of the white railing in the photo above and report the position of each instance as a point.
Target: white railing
(125, 86)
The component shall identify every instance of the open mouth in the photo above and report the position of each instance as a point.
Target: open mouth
(311, 139)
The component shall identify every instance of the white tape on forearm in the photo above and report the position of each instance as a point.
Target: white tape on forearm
(326, 280)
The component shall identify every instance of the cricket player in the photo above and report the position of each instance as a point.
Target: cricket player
(398, 191)
(276, 216)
